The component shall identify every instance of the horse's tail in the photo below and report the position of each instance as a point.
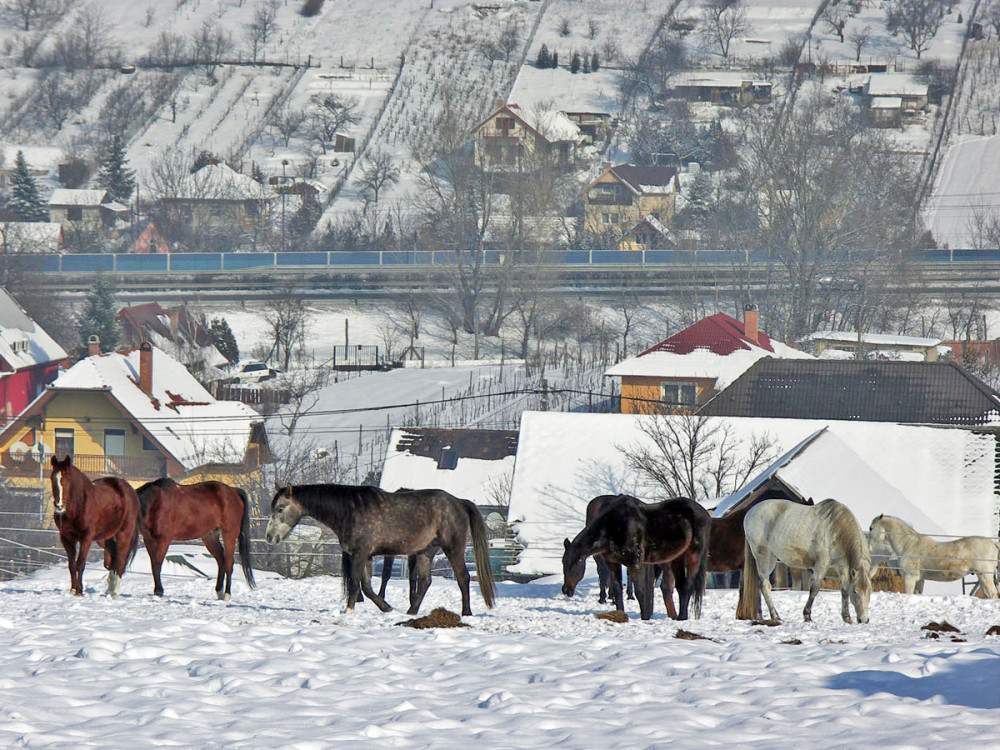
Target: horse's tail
(134, 540)
(346, 572)
(748, 607)
(244, 539)
(701, 575)
(481, 547)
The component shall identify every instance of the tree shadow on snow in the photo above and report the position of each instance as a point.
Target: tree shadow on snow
(971, 684)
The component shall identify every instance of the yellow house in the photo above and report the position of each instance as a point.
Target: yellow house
(512, 139)
(137, 414)
(632, 201)
(683, 372)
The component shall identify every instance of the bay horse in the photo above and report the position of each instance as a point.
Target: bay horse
(105, 511)
(921, 558)
(824, 538)
(370, 521)
(607, 583)
(214, 512)
(639, 536)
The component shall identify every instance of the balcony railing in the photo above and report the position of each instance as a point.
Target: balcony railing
(126, 467)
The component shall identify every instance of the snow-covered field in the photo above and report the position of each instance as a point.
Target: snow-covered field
(284, 667)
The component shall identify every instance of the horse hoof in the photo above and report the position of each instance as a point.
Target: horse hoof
(222, 596)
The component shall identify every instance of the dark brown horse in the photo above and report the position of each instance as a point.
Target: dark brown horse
(214, 512)
(370, 521)
(105, 511)
(638, 535)
(594, 508)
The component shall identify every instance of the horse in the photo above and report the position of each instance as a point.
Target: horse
(594, 508)
(824, 538)
(921, 558)
(214, 512)
(639, 536)
(370, 521)
(105, 511)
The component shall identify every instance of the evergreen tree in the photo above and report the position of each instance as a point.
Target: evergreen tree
(258, 174)
(544, 59)
(100, 309)
(574, 63)
(305, 219)
(203, 159)
(224, 339)
(586, 63)
(25, 204)
(554, 60)
(595, 63)
(115, 176)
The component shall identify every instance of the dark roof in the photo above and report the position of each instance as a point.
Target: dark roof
(868, 390)
(718, 333)
(637, 176)
(487, 445)
(148, 318)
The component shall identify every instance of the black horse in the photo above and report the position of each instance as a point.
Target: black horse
(369, 521)
(638, 535)
(666, 576)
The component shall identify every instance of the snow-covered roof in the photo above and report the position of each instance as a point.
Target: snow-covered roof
(31, 236)
(873, 339)
(23, 343)
(551, 124)
(894, 84)
(68, 197)
(886, 102)
(179, 414)
(565, 459)
(471, 478)
(721, 79)
(221, 182)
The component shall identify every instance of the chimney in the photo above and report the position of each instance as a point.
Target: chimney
(750, 323)
(93, 345)
(146, 367)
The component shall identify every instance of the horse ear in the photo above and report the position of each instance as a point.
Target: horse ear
(277, 487)
(566, 543)
(288, 490)
(55, 462)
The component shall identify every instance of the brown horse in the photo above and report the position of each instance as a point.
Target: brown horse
(214, 512)
(105, 511)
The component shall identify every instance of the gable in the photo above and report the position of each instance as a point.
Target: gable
(719, 334)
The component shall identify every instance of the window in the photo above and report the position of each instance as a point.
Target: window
(448, 458)
(64, 442)
(505, 123)
(74, 213)
(147, 444)
(610, 219)
(114, 442)
(679, 394)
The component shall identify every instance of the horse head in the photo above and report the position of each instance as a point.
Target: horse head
(60, 480)
(285, 514)
(574, 562)
(861, 591)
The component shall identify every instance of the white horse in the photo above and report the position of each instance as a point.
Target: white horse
(824, 538)
(921, 558)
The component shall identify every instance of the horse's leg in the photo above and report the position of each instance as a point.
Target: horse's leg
(456, 556)
(364, 576)
(642, 574)
(387, 562)
(819, 569)
(350, 580)
(70, 548)
(214, 546)
(919, 587)
(667, 588)
(603, 576)
(765, 566)
(229, 541)
(615, 572)
(630, 588)
(121, 545)
(986, 583)
(420, 575)
(81, 563)
(157, 550)
(910, 577)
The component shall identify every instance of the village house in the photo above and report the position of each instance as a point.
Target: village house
(844, 345)
(221, 207)
(138, 414)
(150, 241)
(512, 139)
(892, 97)
(685, 370)
(29, 358)
(635, 201)
(91, 212)
(174, 330)
(729, 88)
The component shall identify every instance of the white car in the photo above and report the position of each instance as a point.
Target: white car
(255, 372)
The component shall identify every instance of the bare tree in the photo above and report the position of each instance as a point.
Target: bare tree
(303, 386)
(858, 39)
(210, 44)
(697, 457)
(85, 43)
(723, 21)
(29, 12)
(380, 172)
(286, 319)
(835, 17)
(56, 99)
(288, 123)
(168, 51)
(330, 114)
(510, 40)
(916, 20)
(263, 25)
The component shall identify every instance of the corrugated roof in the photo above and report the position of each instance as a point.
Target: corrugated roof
(874, 391)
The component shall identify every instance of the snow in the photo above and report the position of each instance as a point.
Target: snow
(700, 363)
(564, 460)
(283, 667)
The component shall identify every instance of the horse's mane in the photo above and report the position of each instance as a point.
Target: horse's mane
(895, 520)
(846, 533)
(319, 497)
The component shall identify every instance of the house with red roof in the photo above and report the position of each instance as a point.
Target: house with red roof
(686, 370)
